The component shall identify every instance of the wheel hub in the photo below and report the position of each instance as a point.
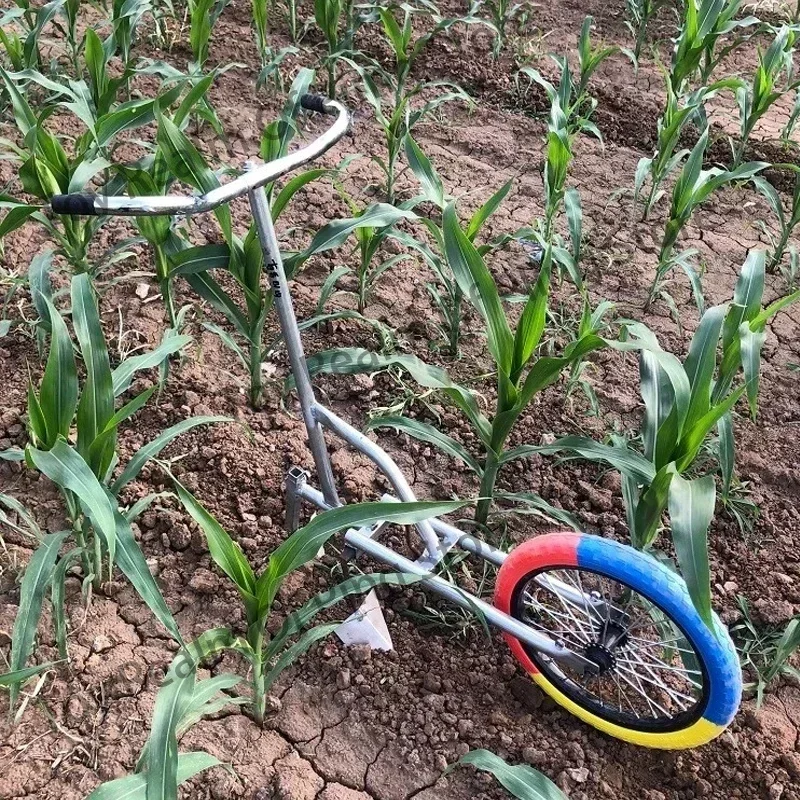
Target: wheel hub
(601, 656)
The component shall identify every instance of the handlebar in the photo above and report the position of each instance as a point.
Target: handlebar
(123, 206)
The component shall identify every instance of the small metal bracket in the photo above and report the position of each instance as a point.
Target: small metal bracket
(349, 553)
(293, 484)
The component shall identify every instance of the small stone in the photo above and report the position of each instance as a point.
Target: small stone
(142, 290)
(101, 643)
(204, 581)
(579, 775)
(431, 683)
(343, 679)
(361, 653)
(776, 791)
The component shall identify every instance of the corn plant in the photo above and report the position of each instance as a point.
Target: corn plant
(445, 292)
(786, 222)
(520, 374)
(339, 21)
(684, 402)
(704, 23)
(693, 187)
(203, 15)
(371, 226)
(396, 118)
(23, 51)
(270, 655)
(765, 651)
(520, 781)
(640, 13)
(572, 91)
(756, 98)
(501, 13)
(65, 407)
(47, 169)
(126, 17)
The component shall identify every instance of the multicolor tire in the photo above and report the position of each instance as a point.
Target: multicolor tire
(722, 680)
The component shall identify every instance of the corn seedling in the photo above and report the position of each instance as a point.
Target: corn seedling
(521, 781)
(100, 535)
(786, 222)
(572, 91)
(704, 23)
(787, 133)
(693, 187)
(22, 45)
(339, 21)
(47, 169)
(371, 226)
(501, 13)
(754, 99)
(445, 292)
(270, 655)
(640, 13)
(678, 111)
(765, 652)
(203, 15)
(396, 119)
(684, 403)
(126, 17)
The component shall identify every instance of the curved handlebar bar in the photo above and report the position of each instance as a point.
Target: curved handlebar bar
(124, 206)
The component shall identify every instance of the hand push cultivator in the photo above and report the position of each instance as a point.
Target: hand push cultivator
(607, 631)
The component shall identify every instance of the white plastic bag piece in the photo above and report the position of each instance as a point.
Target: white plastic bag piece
(366, 626)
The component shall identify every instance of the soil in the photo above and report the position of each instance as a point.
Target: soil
(350, 724)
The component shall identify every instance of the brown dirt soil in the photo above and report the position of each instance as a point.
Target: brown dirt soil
(350, 725)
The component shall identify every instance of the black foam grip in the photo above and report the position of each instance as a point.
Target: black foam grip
(313, 102)
(74, 204)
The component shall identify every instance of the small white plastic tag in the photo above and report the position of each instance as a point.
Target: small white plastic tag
(366, 626)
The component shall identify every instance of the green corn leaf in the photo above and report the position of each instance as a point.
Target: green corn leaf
(211, 291)
(134, 787)
(751, 343)
(293, 186)
(650, 509)
(427, 433)
(691, 509)
(186, 163)
(693, 438)
(35, 583)
(522, 782)
(154, 447)
(122, 376)
(16, 216)
(172, 700)
(701, 362)
(58, 393)
(227, 554)
(32, 528)
(304, 544)
(479, 218)
(294, 651)
(531, 325)
(334, 234)
(624, 460)
(727, 457)
(96, 406)
(423, 169)
(477, 284)
(20, 676)
(200, 259)
(67, 469)
(58, 599)
(36, 420)
(572, 206)
(532, 503)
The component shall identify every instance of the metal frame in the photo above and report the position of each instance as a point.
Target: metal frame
(438, 537)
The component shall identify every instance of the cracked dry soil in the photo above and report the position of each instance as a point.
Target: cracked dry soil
(350, 725)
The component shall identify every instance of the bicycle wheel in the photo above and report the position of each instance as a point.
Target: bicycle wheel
(662, 678)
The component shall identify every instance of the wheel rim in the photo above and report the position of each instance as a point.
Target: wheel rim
(649, 675)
